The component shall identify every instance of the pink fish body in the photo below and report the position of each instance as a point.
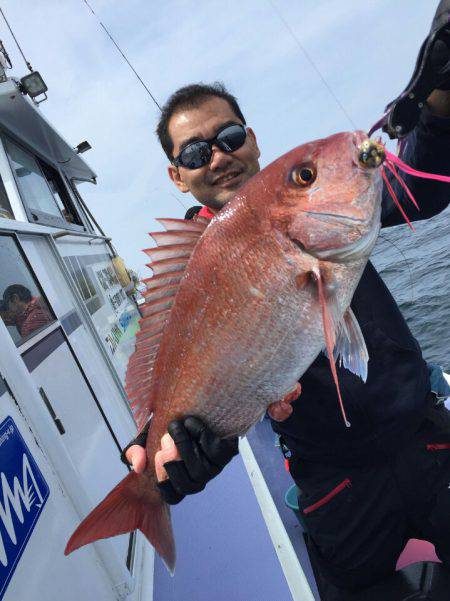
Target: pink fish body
(237, 311)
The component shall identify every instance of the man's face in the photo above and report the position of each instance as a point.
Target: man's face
(15, 305)
(216, 183)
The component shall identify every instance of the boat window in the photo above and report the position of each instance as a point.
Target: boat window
(60, 195)
(78, 202)
(82, 274)
(41, 188)
(75, 185)
(5, 207)
(23, 307)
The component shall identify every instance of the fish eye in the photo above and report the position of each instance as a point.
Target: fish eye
(303, 175)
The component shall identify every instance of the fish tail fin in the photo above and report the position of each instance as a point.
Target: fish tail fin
(123, 510)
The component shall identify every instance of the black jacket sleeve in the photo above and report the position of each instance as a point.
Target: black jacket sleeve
(427, 148)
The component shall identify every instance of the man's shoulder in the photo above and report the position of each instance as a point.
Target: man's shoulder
(192, 212)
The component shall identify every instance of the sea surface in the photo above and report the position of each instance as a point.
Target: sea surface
(416, 269)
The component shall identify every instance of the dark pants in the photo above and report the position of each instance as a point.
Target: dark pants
(359, 519)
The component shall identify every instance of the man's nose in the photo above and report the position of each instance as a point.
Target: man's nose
(219, 158)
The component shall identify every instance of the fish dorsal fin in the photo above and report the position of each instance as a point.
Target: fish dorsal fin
(173, 237)
(163, 291)
(350, 347)
(184, 225)
(164, 266)
(163, 278)
(170, 251)
(168, 262)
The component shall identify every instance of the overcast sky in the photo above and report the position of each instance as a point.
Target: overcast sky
(365, 51)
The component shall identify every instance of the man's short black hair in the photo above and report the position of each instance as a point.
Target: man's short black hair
(22, 292)
(191, 96)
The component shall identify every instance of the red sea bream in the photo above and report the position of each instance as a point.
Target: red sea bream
(237, 310)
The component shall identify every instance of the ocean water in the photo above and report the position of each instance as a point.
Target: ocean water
(416, 269)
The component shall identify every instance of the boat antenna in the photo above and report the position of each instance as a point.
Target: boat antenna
(30, 68)
(7, 61)
(123, 55)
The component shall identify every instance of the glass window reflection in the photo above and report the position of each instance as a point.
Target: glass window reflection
(23, 308)
(31, 181)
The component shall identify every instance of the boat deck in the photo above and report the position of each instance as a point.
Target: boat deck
(224, 547)
(237, 540)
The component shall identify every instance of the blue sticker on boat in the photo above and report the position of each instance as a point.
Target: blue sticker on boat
(23, 494)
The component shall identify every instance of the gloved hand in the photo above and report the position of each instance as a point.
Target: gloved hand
(191, 454)
(203, 456)
(197, 456)
(134, 453)
(431, 73)
(440, 56)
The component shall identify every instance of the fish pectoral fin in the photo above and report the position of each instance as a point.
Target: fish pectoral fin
(330, 312)
(350, 347)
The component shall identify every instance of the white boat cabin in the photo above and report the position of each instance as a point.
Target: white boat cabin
(66, 331)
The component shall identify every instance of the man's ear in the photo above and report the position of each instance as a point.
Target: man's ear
(252, 137)
(174, 174)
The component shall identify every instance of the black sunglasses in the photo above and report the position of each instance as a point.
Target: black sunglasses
(197, 154)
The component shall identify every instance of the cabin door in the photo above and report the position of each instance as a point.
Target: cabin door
(33, 508)
(76, 417)
(80, 450)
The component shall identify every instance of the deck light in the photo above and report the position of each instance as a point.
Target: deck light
(34, 85)
(82, 147)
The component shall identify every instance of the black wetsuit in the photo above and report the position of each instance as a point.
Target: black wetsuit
(373, 485)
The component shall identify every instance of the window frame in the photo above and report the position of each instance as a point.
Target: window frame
(4, 194)
(26, 339)
(94, 301)
(35, 215)
(72, 186)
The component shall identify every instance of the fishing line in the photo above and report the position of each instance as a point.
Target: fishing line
(134, 71)
(123, 55)
(405, 258)
(180, 201)
(311, 62)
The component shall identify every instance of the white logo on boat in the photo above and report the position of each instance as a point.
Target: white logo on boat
(18, 497)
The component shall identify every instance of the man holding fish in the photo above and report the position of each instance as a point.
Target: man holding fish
(195, 128)
(396, 394)
(367, 471)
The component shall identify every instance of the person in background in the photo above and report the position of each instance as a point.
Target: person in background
(21, 309)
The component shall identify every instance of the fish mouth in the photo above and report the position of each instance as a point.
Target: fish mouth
(341, 219)
(357, 249)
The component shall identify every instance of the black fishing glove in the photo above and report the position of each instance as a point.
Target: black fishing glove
(140, 440)
(203, 455)
(440, 51)
(432, 72)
